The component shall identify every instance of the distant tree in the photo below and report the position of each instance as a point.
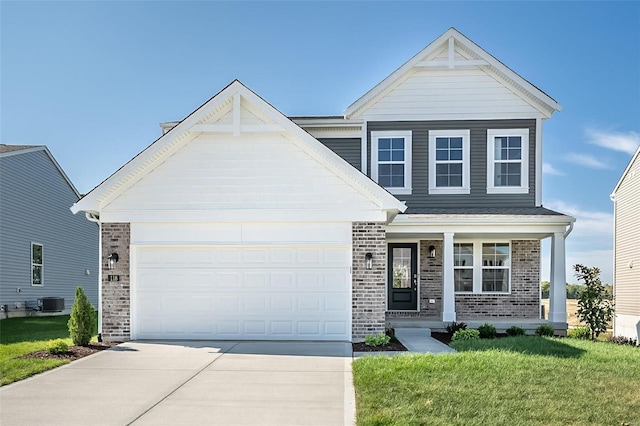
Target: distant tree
(573, 291)
(595, 307)
(545, 285)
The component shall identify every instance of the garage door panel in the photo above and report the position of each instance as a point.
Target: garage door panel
(243, 293)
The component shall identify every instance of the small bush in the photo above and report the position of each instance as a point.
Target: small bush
(57, 346)
(377, 339)
(82, 322)
(514, 330)
(391, 332)
(580, 333)
(470, 334)
(544, 330)
(455, 326)
(622, 340)
(487, 331)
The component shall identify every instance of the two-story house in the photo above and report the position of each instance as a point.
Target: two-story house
(45, 251)
(421, 203)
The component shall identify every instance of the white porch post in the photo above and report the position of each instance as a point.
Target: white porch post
(448, 288)
(558, 291)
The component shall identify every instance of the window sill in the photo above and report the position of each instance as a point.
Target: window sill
(508, 190)
(449, 191)
(399, 191)
(484, 293)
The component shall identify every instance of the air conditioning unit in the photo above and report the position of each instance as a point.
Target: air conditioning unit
(51, 304)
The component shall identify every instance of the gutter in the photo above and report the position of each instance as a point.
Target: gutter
(566, 234)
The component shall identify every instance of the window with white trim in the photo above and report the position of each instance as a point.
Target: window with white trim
(482, 267)
(449, 162)
(507, 161)
(391, 160)
(37, 263)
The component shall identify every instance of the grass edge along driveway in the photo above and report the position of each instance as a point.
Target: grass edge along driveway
(20, 336)
(516, 381)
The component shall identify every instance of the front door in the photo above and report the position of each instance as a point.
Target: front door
(402, 277)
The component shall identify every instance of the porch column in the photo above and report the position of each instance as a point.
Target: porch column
(558, 290)
(448, 287)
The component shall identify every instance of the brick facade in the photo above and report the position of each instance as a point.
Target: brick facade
(368, 292)
(116, 308)
(524, 299)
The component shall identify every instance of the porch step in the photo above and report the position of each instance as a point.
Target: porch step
(413, 323)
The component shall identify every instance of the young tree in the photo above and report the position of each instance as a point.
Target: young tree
(595, 307)
(82, 323)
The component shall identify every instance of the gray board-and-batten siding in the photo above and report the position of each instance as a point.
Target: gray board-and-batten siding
(34, 207)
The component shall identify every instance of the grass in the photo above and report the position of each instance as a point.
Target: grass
(20, 336)
(512, 381)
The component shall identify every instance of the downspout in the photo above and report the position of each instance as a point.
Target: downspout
(92, 217)
(566, 234)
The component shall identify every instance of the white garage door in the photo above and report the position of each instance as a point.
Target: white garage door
(258, 292)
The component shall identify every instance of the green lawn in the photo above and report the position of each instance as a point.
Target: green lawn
(20, 336)
(511, 381)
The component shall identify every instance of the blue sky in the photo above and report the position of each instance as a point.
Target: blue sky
(92, 80)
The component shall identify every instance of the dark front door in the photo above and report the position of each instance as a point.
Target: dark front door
(403, 277)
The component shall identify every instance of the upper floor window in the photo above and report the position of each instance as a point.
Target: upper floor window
(449, 162)
(37, 264)
(481, 267)
(391, 160)
(508, 161)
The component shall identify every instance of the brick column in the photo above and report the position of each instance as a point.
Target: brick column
(116, 298)
(368, 291)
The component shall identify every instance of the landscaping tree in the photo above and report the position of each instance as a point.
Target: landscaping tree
(595, 307)
(82, 323)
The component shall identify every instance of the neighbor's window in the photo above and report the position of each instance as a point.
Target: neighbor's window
(36, 264)
(449, 162)
(391, 160)
(481, 267)
(508, 161)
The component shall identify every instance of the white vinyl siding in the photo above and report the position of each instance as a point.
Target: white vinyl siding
(449, 162)
(507, 161)
(391, 160)
(448, 94)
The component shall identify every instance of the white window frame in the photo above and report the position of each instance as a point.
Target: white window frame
(523, 188)
(466, 168)
(478, 267)
(407, 135)
(41, 265)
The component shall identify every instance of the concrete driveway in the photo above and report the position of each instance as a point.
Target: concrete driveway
(176, 383)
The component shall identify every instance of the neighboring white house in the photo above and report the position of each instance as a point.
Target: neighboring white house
(421, 203)
(626, 249)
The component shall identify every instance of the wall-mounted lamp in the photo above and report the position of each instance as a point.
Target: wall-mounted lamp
(368, 260)
(432, 252)
(113, 259)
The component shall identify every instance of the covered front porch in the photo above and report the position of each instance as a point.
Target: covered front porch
(474, 269)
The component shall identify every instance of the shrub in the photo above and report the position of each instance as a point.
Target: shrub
(82, 322)
(595, 307)
(579, 333)
(622, 340)
(465, 334)
(57, 346)
(391, 332)
(544, 330)
(514, 330)
(455, 326)
(487, 331)
(377, 339)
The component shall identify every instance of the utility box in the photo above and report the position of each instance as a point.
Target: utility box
(51, 304)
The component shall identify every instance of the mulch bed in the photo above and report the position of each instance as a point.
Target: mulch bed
(442, 337)
(74, 352)
(391, 346)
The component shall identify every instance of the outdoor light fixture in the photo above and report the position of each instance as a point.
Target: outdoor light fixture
(432, 252)
(113, 259)
(368, 260)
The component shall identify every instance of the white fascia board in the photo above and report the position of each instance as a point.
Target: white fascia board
(535, 230)
(494, 67)
(326, 122)
(518, 220)
(240, 216)
(624, 174)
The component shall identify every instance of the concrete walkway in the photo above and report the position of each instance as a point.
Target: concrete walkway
(185, 383)
(416, 340)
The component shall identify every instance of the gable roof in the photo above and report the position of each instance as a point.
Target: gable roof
(626, 171)
(11, 150)
(478, 57)
(196, 122)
